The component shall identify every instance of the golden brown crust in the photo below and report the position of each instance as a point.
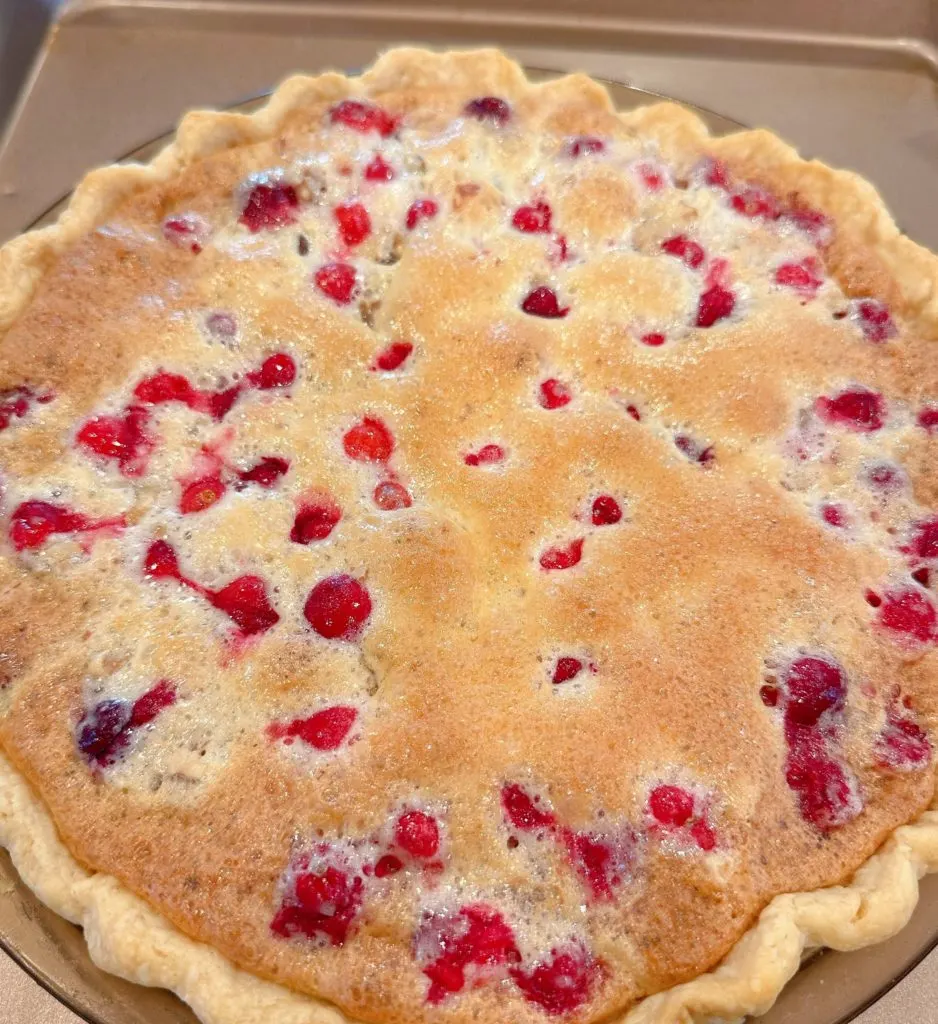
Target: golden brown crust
(785, 576)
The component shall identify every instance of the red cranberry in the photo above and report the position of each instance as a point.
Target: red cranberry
(315, 520)
(923, 542)
(418, 834)
(269, 207)
(922, 576)
(769, 696)
(533, 219)
(543, 302)
(605, 511)
(562, 557)
(522, 810)
(671, 805)
(121, 438)
(803, 277)
(856, 408)
(653, 176)
(712, 172)
(369, 440)
(201, 494)
(354, 222)
(244, 600)
(563, 982)
(475, 936)
(813, 223)
(703, 835)
(104, 732)
(602, 862)
(266, 472)
(834, 515)
(393, 357)
(379, 170)
(886, 477)
(634, 412)
(814, 685)
(902, 745)
(689, 252)
(487, 455)
(16, 402)
(187, 230)
(160, 562)
(755, 203)
(363, 117)
(827, 797)
(715, 304)
(554, 394)
(276, 371)
(567, 668)
(584, 145)
(326, 730)
(874, 320)
(148, 705)
(928, 418)
(390, 496)
(33, 522)
(420, 209)
(388, 865)
(324, 905)
(338, 608)
(654, 339)
(909, 613)
(489, 108)
(694, 450)
(337, 281)
(162, 388)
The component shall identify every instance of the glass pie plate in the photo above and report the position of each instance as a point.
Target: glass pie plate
(830, 988)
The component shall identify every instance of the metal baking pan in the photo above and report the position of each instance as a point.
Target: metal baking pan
(115, 73)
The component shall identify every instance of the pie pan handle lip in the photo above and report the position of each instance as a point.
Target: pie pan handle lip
(53, 952)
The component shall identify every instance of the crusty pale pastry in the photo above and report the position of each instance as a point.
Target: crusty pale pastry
(466, 553)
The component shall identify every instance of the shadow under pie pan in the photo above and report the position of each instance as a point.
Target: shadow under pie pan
(830, 988)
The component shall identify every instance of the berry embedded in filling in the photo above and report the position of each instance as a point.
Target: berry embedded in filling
(393, 357)
(855, 408)
(338, 608)
(811, 694)
(315, 520)
(325, 730)
(534, 219)
(562, 557)
(105, 731)
(543, 302)
(363, 117)
(244, 600)
(32, 523)
(337, 281)
(369, 440)
(489, 108)
(269, 207)
(487, 455)
(353, 222)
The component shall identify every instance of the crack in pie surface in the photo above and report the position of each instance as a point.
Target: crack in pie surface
(468, 551)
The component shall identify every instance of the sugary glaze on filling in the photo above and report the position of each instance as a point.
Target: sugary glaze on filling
(467, 553)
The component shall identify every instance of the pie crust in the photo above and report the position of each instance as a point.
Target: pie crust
(865, 255)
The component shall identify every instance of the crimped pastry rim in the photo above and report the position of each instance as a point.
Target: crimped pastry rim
(128, 938)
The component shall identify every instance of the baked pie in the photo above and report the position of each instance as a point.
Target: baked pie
(468, 555)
